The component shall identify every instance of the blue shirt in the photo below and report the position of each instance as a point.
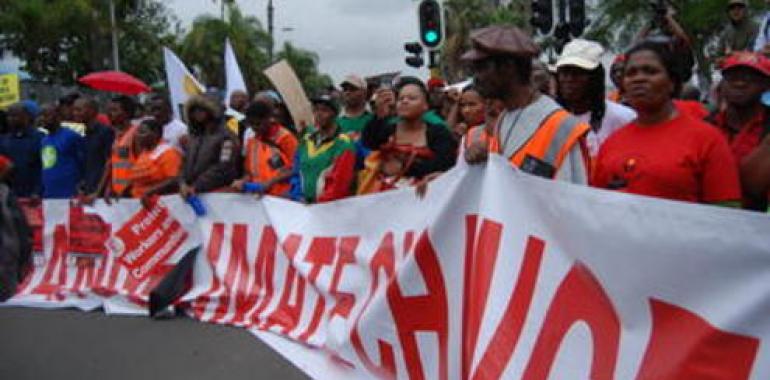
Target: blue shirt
(98, 141)
(63, 158)
(23, 149)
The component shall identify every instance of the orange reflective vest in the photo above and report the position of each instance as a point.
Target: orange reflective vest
(154, 167)
(551, 143)
(122, 160)
(265, 161)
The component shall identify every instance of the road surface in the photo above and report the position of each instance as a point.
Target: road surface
(68, 344)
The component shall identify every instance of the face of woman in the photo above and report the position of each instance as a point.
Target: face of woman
(146, 138)
(472, 108)
(647, 84)
(412, 103)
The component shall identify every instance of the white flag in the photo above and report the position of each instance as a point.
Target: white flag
(181, 84)
(233, 74)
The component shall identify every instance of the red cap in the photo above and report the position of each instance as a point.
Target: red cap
(755, 61)
(434, 83)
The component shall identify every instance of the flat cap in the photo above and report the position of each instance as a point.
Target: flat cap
(500, 40)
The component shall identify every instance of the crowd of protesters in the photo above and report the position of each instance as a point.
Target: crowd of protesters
(556, 121)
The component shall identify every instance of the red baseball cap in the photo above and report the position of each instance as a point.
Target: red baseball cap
(434, 83)
(752, 60)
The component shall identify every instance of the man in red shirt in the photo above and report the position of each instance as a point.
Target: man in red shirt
(745, 121)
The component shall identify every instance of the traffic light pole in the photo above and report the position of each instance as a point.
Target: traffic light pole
(433, 64)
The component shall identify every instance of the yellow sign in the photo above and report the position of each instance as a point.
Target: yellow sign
(9, 89)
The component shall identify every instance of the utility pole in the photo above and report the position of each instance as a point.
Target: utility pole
(115, 52)
(270, 11)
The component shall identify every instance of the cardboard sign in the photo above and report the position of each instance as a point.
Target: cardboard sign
(9, 89)
(288, 85)
(147, 240)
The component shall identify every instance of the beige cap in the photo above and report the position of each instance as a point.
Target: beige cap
(582, 53)
(355, 81)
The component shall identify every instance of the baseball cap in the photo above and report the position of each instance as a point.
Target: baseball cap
(328, 101)
(499, 41)
(730, 3)
(434, 83)
(752, 60)
(355, 81)
(582, 53)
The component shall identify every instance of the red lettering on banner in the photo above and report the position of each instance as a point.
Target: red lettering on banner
(480, 257)
(685, 346)
(212, 256)
(422, 313)
(579, 297)
(33, 211)
(264, 267)
(87, 232)
(411, 314)
(48, 286)
(343, 301)
(506, 336)
(235, 266)
(147, 240)
(287, 315)
(320, 253)
(383, 259)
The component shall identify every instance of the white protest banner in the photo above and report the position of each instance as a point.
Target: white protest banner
(288, 85)
(181, 84)
(494, 274)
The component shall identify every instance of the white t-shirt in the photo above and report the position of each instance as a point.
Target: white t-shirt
(615, 116)
(173, 131)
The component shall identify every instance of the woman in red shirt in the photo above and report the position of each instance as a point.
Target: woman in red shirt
(665, 153)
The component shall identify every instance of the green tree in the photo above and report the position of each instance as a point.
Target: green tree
(144, 31)
(60, 40)
(617, 22)
(463, 16)
(305, 64)
(203, 47)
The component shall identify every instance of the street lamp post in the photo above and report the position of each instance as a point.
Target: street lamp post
(270, 11)
(115, 52)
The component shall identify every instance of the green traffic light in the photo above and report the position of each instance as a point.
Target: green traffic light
(431, 36)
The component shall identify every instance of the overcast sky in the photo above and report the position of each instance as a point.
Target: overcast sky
(365, 37)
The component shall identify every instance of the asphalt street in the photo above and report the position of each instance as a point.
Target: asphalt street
(68, 344)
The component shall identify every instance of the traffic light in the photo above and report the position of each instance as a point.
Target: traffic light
(577, 17)
(431, 25)
(415, 59)
(542, 15)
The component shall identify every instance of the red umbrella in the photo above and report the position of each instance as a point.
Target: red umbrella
(114, 81)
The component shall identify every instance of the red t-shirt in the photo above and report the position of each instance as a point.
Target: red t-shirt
(681, 159)
(693, 108)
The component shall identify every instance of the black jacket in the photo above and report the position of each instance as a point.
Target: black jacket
(438, 137)
(212, 160)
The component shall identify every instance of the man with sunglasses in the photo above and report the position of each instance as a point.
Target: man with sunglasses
(354, 116)
(533, 132)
